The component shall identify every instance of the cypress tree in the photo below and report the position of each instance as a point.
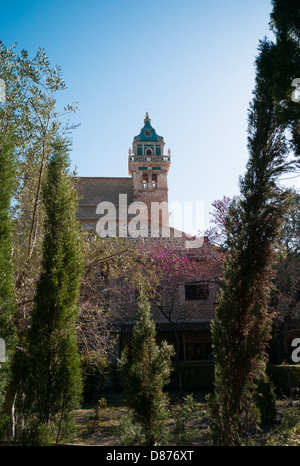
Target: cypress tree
(54, 377)
(145, 370)
(242, 329)
(285, 23)
(7, 290)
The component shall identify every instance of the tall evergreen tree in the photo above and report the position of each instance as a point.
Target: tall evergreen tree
(7, 291)
(31, 115)
(54, 377)
(145, 370)
(242, 329)
(285, 23)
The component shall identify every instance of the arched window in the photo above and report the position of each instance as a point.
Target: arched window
(145, 181)
(148, 152)
(154, 180)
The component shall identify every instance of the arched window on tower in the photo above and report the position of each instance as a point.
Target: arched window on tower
(154, 180)
(145, 181)
(148, 154)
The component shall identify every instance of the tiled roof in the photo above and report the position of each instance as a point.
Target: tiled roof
(93, 190)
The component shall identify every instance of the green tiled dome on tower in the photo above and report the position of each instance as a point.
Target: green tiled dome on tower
(148, 147)
(147, 133)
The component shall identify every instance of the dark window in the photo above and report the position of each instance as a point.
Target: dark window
(197, 291)
(145, 181)
(196, 351)
(158, 151)
(139, 150)
(147, 133)
(154, 180)
(149, 152)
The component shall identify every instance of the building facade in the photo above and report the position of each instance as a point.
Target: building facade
(146, 191)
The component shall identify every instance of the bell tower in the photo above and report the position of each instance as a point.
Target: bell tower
(149, 167)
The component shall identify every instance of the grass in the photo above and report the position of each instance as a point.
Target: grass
(99, 426)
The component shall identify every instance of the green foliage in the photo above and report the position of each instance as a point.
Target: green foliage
(288, 432)
(285, 22)
(219, 418)
(184, 413)
(130, 432)
(285, 377)
(94, 424)
(38, 434)
(242, 328)
(30, 114)
(31, 121)
(54, 384)
(290, 233)
(265, 400)
(7, 288)
(145, 369)
(4, 428)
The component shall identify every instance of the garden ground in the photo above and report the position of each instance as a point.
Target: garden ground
(98, 422)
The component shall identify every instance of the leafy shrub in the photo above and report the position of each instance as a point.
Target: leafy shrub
(94, 424)
(265, 400)
(288, 432)
(285, 377)
(145, 370)
(130, 432)
(184, 412)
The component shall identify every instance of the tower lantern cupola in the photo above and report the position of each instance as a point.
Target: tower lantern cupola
(148, 147)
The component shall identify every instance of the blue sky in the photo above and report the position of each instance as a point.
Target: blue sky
(188, 63)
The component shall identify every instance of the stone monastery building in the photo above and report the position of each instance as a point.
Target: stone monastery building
(148, 169)
(147, 185)
(146, 189)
